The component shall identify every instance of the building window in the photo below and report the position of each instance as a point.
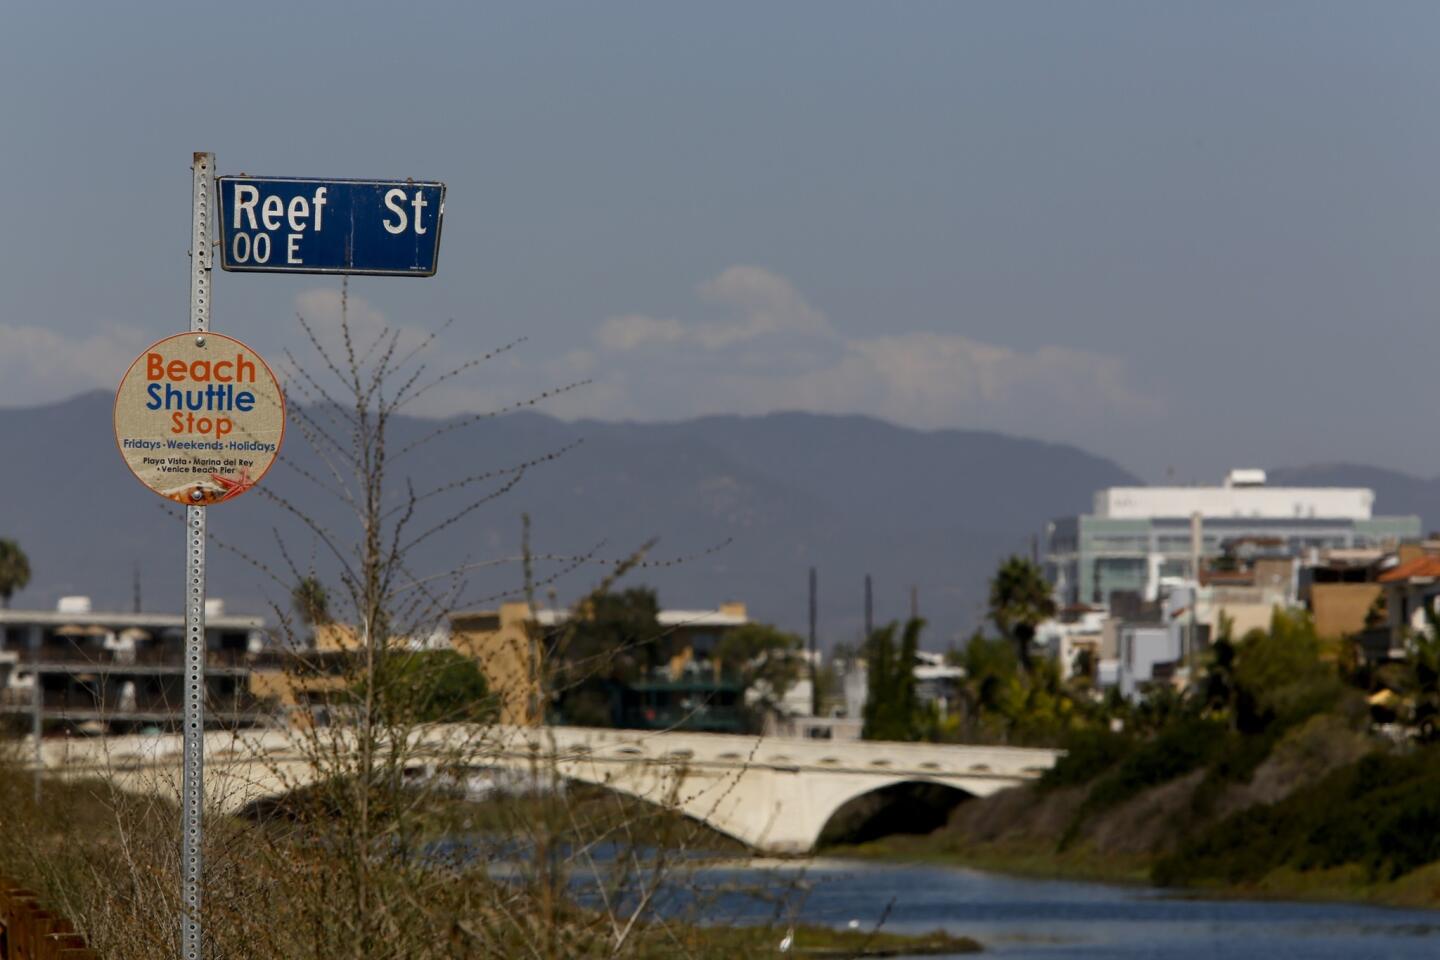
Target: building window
(1115, 575)
(1118, 544)
(1175, 568)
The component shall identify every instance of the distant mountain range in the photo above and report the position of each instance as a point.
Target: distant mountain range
(750, 502)
(753, 502)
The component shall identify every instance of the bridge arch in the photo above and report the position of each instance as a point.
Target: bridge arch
(911, 806)
(773, 795)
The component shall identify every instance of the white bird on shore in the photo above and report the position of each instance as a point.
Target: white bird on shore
(789, 939)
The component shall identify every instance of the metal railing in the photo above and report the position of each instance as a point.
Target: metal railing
(240, 707)
(99, 658)
(327, 662)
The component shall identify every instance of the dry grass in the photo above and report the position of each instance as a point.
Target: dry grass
(351, 872)
(284, 888)
(293, 888)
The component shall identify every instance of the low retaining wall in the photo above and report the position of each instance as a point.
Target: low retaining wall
(30, 932)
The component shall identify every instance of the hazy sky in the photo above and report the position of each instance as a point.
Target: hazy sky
(1189, 235)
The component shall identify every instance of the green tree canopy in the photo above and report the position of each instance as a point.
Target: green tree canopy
(311, 601)
(615, 635)
(763, 657)
(892, 708)
(14, 570)
(1020, 600)
(431, 686)
(1422, 664)
(614, 638)
(1279, 676)
(990, 671)
(1002, 703)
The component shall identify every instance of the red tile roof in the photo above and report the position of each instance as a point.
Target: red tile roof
(1421, 568)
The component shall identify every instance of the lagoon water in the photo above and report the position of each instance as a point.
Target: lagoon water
(1048, 920)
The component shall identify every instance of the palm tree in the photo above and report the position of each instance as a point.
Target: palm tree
(311, 602)
(1020, 600)
(14, 570)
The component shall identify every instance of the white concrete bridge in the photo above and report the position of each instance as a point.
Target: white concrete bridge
(771, 793)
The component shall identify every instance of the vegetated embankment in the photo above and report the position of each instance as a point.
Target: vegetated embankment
(1320, 810)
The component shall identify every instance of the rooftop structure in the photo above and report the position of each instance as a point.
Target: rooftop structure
(727, 615)
(691, 692)
(1139, 537)
(76, 666)
(1243, 494)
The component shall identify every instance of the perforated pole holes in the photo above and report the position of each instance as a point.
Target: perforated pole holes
(192, 786)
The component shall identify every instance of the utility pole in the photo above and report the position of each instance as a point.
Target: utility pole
(869, 611)
(1197, 546)
(814, 669)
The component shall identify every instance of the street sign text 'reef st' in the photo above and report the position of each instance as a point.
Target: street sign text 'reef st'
(290, 225)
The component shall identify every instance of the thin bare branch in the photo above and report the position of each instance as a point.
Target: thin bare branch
(474, 418)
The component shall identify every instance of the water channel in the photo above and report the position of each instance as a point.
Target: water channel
(1047, 920)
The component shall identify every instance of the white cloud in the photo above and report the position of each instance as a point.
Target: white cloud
(322, 308)
(778, 352)
(480, 384)
(755, 345)
(760, 304)
(767, 302)
(633, 331)
(938, 380)
(370, 331)
(38, 365)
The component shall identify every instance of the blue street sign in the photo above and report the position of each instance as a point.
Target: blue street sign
(288, 225)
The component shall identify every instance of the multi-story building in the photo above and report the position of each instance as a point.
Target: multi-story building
(1138, 537)
(119, 672)
(1074, 630)
(1341, 590)
(937, 685)
(690, 691)
(115, 672)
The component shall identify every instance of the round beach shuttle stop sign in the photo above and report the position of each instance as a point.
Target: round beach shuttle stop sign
(199, 418)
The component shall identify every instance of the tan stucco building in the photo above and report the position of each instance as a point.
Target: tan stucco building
(507, 644)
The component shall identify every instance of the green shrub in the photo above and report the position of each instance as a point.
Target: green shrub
(1185, 746)
(1088, 754)
(430, 686)
(1294, 703)
(1278, 676)
(1381, 812)
(1176, 751)
(1235, 762)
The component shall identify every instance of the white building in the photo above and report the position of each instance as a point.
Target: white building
(936, 682)
(1242, 495)
(1137, 537)
(1064, 639)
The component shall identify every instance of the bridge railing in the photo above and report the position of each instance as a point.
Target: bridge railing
(99, 658)
(28, 931)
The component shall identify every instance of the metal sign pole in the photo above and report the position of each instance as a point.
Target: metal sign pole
(193, 778)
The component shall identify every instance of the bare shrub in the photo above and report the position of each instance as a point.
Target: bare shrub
(364, 837)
